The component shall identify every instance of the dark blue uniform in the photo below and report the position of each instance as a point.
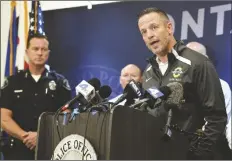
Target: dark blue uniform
(27, 99)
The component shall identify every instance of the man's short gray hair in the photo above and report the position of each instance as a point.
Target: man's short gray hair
(196, 46)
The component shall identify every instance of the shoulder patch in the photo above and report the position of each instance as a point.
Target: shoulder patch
(66, 84)
(5, 84)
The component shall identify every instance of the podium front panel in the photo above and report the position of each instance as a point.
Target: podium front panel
(124, 133)
(95, 131)
(137, 135)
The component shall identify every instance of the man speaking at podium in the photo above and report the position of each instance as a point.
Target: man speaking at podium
(204, 107)
(27, 94)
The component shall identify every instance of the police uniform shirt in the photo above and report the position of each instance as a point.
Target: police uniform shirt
(27, 99)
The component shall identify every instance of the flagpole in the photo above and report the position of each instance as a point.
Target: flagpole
(13, 4)
(26, 21)
(25, 31)
(35, 17)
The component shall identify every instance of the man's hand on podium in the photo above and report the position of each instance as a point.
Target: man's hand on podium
(30, 139)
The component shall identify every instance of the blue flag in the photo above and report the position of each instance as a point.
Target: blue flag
(12, 42)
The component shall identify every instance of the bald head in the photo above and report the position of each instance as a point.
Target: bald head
(128, 73)
(197, 47)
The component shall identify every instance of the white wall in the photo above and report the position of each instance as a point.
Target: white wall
(46, 5)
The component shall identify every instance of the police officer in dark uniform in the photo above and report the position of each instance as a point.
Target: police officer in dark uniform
(27, 94)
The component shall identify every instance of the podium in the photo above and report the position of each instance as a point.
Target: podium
(123, 133)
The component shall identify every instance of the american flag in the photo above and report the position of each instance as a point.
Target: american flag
(36, 19)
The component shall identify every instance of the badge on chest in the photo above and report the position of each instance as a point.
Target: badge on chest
(52, 85)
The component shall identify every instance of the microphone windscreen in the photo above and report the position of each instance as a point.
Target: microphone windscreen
(177, 93)
(105, 91)
(95, 83)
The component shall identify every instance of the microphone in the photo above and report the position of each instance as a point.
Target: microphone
(152, 96)
(87, 89)
(99, 103)
(170, 96)
(155, 93)
(174, 100)
(103, 93)
(176, 97)
(85, 92)
(130, 92)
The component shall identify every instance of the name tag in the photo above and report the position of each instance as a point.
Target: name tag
(18, 91)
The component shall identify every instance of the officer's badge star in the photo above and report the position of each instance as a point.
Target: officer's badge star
(52, 85)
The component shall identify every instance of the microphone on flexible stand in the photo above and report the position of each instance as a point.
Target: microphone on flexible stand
(102, 104)
(131, 91)
(174, 100)
(85, 92)
(168, 97)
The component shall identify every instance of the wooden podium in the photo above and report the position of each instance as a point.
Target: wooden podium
(123, 133)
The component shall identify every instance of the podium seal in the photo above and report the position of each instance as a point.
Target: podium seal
(74, 147)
